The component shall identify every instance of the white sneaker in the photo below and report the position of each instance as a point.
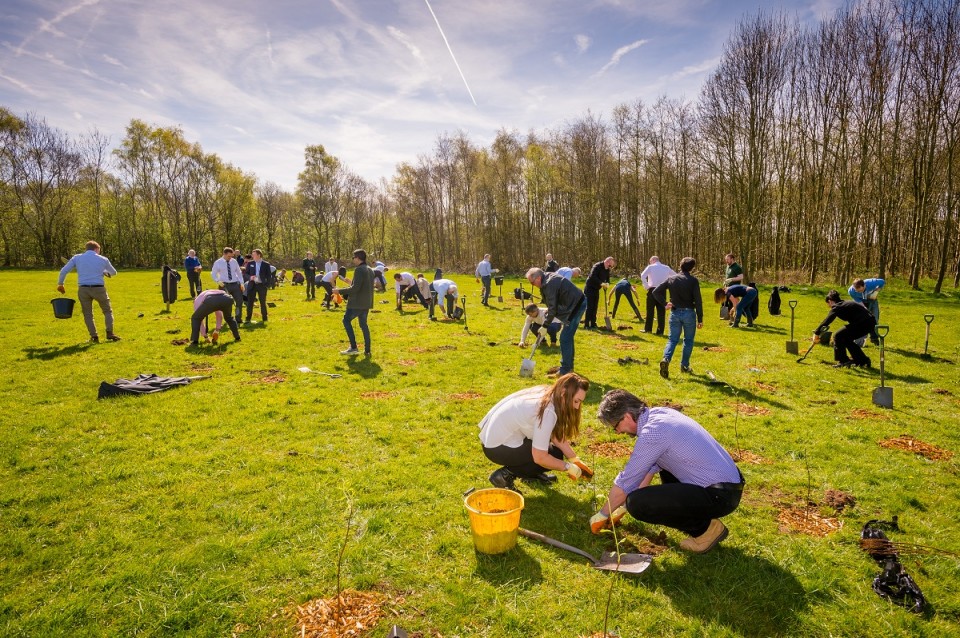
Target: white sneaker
(350, 351)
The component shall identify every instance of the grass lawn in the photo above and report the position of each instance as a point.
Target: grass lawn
(217, 508)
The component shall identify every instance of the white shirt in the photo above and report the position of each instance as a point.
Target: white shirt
(540, 319)
(514, 419)
(220, 268)
(424, 287)
(379, 266)
(445, 287)
(484, 269)
(655, 274)
(331, 266)
(331, 276)
(406, 279)
(566, 272)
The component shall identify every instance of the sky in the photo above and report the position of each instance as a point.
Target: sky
(374, 81)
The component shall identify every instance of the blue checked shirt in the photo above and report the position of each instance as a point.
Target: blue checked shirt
(90, 269)
(668, 440)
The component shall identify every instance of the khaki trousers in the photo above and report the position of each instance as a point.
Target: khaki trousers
(87, 295)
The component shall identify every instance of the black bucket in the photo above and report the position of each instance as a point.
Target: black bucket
(825, 337)
(498, 281)
(63, 307)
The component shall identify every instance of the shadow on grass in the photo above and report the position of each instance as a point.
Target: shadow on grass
(364, 367)
(503, 569)
(742, 394)
(768, 329)
(918, 355)
(52, 352)
(747, 593)
(259, 325)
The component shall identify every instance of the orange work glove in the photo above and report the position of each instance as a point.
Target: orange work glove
(573, 471)
(601, 521)
(587, 472)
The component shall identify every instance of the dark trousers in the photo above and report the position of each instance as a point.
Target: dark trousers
(629, 296)
(654, 305)
(361, 316)
(209, 306)
(413, 292)
(257, 291)
(232, 288)
(311, 286)
(485, 295)
(328, 292)
(681, 506)
(195, 287)
(845, 340)
(519, 460)
(593, 302)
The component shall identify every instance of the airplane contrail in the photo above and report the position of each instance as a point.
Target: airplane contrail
(451, 52)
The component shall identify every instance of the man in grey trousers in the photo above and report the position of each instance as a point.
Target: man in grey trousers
(91, 268)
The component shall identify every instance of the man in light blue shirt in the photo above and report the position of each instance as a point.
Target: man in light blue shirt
(865, 291)
(484, 273)
(568, 273)
(91, 268)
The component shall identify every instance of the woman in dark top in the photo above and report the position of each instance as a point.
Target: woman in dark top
(859, 324)
(742, 298)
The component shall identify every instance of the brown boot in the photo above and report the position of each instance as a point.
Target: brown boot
(702, 544)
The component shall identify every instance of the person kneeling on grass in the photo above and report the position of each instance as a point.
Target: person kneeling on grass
(699, 482)
(536, 317)
(742, 298)
(860, 323)
(530, 431)
(209, 302)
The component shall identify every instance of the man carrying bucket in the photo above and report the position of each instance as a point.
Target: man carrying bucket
(91, 268)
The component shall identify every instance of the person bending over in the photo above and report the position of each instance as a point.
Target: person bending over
(860, 323)
(742, 298)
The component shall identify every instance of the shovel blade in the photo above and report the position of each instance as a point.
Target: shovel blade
(526, 368)
(628, 563)
(607, 321)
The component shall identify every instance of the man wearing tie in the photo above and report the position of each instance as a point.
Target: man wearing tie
(227, 276)
(259, 276)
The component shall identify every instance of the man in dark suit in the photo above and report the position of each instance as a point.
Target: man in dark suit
(259, 277)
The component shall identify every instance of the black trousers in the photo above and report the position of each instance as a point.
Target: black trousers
(327, 292)
(629, 296)
(519, 460)
(413, 291)
(232, 288)
(593, 302)
(195, 287)
(311, 286)
(681, 506)
(654, 305)
(209, 306)
(258, 291)
(845, 340)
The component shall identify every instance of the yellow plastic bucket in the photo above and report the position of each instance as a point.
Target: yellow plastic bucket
(494, 519)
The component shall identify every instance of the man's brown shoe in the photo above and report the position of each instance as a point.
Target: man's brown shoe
(706, 541)
(112, 337)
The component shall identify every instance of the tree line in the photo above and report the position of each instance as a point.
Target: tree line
(812, 152)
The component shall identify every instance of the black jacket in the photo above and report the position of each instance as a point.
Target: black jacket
(684, 293)
(850, 311)
(266, 272)
(552, 266)
(598, 275)
(561, 296)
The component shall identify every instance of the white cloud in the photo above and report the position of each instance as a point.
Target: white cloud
(619, 53)
(582, 41)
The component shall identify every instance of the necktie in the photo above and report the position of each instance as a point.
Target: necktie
(229, 272)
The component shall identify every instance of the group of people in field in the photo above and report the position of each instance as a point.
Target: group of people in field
(531, 432)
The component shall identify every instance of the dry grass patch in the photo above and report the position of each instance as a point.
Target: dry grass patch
(716, 349)
(376, 394)
(407, 363)
(750, 410)
(625, 346)
(746, 456)
(907, 443)
(466, 396)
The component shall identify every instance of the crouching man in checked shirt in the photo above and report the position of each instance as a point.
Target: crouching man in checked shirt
(699, 482)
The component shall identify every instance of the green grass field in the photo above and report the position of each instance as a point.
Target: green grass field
(217, 508)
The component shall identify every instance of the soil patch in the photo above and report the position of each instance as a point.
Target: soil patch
(861, 413)
(746, 456)
(406, 363)
(766, 387)
(610, 449)
(624, 326)
(750, 410)
(654, 544)
(180, 342)
(907, 443)
(422, 349)
(716, 349)
(625, 346)
(271, 375)
(353, 613)
(376, 394)
(466, 396)
(942, 391)
(806, 520)
(839, 500)
(201, 367)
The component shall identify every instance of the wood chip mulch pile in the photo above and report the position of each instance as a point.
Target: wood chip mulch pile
(750, 410)
(807, 521)
(466, 396)
(406, 362)
(625, 346)
(376, 394)
(861, 413)
(354, 613)
(610, 449)
(746, 456)
(907, 443)
(839, 500)
(766, 387)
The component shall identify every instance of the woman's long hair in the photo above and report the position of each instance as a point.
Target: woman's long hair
(561, 394)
